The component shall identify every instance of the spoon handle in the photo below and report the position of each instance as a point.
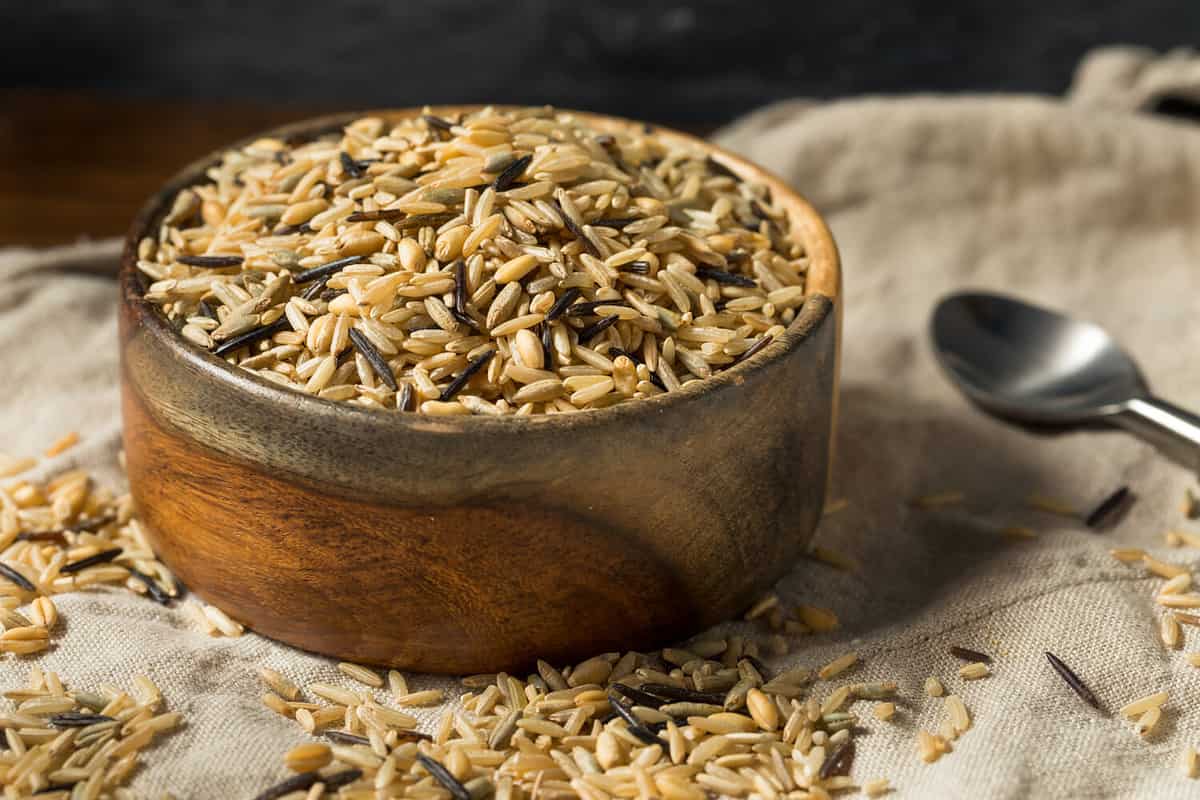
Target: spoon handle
(1168, 427)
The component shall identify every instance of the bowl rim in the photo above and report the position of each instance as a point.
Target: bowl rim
(823, 300)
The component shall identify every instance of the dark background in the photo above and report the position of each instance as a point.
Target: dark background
(697, 62)
(100, 101)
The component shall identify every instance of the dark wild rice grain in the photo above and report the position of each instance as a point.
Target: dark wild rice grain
(598, 327)
(576, 231)
(717, 168)
(92, 524)
(589, 308)
(460, 290)
(967, 654)
(212, 262)
(250, 337)
(635, 725)
(347, 738)
(206, 310)
(378, 363)
(683, 695)
(339, 779)
(546, 337)
(443, 776)
(317, 287)
(75, 719)
(458, 383)
(15, 577)
(511, 173)
(562, 303)
(638, 696)
(350, 166)
(636, 267)
(1111, 510)
(437, 122)
(404, 397)
(387, 214)
(1191, 504)
(616, 222)
(838, 762)
(752, 351)
(102, 557)
(726, 278)
(324, 270)
(156, 592)
(1073, 681)
(43, 536)
(296, 783)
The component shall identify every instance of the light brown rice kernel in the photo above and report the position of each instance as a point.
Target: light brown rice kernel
(308, 757)
(933, 686)
(395, 207)
(876, 788)
(818, 620)
(1190, 762)
(1140, 706)
(363, 675)
(837, 666)
(62, 444)
(277, 683)
(974, 671)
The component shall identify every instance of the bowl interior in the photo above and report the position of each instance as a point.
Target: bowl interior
(823, 277)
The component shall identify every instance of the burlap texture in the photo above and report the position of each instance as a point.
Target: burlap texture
(1094, 212)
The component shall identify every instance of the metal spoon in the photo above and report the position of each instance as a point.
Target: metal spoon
(1033, 365)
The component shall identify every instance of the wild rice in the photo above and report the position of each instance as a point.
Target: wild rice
(1111, 509)
(966, 654)
(63, 536)
(471, 228)
(1191, 504)
(58, 739)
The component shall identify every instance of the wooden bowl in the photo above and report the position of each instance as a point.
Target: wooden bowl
(472, 544)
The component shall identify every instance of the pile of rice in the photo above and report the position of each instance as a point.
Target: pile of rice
(501, 262)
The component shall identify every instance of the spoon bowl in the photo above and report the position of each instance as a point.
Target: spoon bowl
(1033, 365)
(1029, 363)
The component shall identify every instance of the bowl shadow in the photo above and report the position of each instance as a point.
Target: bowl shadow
(892, 449)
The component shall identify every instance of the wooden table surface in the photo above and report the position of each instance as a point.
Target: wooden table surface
(74, 166)
(78, 166)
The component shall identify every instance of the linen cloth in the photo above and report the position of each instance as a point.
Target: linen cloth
(1087, 206)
